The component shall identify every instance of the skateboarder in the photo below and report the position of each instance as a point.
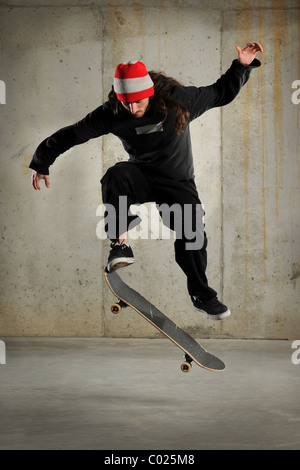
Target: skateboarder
(151, 113)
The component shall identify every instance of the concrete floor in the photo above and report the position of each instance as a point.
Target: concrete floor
(129, 394)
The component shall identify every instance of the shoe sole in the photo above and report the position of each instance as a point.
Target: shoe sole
(119, 263)
(219, 316)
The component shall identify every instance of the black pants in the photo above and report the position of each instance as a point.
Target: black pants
(140, 185)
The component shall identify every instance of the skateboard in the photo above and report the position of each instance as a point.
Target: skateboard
(193, 351)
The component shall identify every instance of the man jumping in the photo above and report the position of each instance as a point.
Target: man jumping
(150, 113)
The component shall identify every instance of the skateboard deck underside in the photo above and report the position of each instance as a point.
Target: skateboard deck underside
(166, 326)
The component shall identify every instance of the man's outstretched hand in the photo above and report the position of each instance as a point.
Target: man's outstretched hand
(36, 178)
(247, 54)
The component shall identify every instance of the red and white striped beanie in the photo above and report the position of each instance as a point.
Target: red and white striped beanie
(132, 82)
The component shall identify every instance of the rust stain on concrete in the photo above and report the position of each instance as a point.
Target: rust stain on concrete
(244, 37)
(25, 165)
(264, 164)
(280, 51)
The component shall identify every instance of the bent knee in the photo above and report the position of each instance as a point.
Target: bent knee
(120, 171)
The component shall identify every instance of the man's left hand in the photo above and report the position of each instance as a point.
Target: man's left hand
(247, 54)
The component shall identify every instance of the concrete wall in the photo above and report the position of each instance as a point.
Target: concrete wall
(57, 62)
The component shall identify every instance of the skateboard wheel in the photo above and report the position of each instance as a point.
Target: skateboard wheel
(116, 308)
(186, 366)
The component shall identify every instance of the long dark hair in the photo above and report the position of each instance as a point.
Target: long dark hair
(161, 101)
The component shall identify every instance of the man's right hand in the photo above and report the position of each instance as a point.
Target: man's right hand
(35, 180)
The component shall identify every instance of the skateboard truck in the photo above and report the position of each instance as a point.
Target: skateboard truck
(187, 364)
(117, 307)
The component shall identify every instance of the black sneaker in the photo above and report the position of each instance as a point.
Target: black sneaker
(213, 308)
(119, 257)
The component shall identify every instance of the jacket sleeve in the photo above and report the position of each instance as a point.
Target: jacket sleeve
(95, 124)
(222, 92)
